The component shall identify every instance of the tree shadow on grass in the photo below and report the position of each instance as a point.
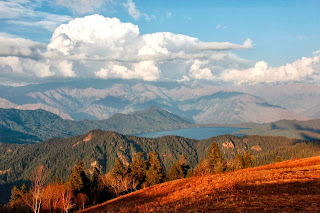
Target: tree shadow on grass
(274, 197)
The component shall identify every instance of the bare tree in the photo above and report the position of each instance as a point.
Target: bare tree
(66, 197)
(119, 183)
(125, 183)
(34, 198)
(134, 184)
(113, 182)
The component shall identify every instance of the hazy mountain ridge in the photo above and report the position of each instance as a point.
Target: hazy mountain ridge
(21, 126)
(235, 107)
(198, 102)
(307, 130)
(299, 97)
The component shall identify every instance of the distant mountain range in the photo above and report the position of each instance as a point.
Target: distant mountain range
(31, 126)
(197, 102)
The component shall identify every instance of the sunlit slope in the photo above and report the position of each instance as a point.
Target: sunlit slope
(289, 186)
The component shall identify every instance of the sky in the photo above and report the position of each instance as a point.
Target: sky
(232, 41)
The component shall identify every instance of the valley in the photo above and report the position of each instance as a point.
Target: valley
(159, 106)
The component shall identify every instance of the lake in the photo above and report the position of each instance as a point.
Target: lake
(195, 133)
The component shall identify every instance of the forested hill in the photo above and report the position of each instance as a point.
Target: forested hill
(31, 126)
(100, 148)
(306, 130)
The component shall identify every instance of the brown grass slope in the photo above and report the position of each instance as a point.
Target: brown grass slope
(289, 186)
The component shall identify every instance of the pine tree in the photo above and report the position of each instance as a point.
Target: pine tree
(214, 157)
(95, 178)
(238, 162)
(17, 199)
(184, 165)
(138, 168)
(155, 172)
(16, 196)
(79, 181)
(173, 172)
(278, 159)
(179, 170)
(190, 173)
(248, 160)
(218, 167)
(119, 168)
(202, 168)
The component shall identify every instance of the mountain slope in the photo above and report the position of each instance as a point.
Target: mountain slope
(307, 130)
(100, 148)
(151, 119)
(236, 107)
(20, 126)
(290, 186)
(198, 102)
(298, 97)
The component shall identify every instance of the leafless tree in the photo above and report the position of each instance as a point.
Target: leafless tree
(66, 197)
(120, 183)
(38, 180)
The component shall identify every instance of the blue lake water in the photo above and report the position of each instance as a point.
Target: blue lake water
(195, 133)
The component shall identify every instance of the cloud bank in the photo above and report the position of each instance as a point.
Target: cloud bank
(99, 47)
(300, 70)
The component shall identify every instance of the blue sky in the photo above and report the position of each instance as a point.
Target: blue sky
(281, 32)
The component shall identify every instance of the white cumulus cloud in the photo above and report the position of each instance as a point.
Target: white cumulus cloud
(184, 79)
(99, 47)
(65, 68)
(19, 68)
(20, 47)
(198, 72)
(299, 70)
(145, 70)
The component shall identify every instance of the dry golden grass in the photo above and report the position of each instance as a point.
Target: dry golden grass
(289, 186)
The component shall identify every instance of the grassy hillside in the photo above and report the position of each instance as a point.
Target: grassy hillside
(306, 130)
(32, 126)
(290, 186)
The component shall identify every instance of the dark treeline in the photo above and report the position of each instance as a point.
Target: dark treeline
(100, 149)
(85, 188)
